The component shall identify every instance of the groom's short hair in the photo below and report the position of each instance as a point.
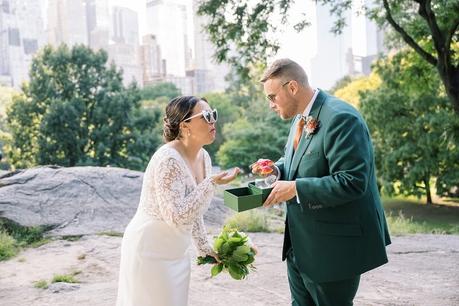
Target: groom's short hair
(287, 70)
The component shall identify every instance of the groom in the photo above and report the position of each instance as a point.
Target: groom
(335, 228)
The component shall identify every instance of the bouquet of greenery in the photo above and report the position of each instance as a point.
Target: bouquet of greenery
(235, 253)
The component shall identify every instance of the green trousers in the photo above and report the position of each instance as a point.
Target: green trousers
(305, 292)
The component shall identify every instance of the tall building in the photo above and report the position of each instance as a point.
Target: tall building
(124, 43)
(151, 61)
(208, 75)
(168, 22)
(97, 23)
(329, 63)
(367, 39)
(67, 22)
(21, 35)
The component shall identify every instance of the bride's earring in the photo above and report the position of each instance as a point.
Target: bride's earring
(189, 133)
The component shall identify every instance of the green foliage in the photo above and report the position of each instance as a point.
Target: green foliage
(249, 221)
(341, 83)
(111, 234)
(227, 112)
(8, 246)
(76, 111)
(41, 284)
(414, 129)
(406, 216)
(168, 90)
(6, 98)
(250, 138)
(14, 237)
(235, 254)
(351, 91)
(64, 278)
(23, 235)
(240, 30)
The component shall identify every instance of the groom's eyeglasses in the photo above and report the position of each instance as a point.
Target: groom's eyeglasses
(209, 116)
(272, 97)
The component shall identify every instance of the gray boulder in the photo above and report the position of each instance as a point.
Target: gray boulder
(78, 200)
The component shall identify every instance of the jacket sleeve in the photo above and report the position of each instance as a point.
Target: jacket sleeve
(347, 148)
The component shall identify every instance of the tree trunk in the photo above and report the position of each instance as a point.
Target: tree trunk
(450, 79)
(428, 194)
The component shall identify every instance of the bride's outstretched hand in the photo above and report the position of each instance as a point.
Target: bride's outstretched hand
(226, 176)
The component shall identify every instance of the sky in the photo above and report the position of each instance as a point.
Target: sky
(301, 47)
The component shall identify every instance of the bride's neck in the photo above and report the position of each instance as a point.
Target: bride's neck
(189, 150)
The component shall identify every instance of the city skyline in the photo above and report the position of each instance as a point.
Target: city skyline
(171, 32)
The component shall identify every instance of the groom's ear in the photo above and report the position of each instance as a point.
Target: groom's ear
(293, 87)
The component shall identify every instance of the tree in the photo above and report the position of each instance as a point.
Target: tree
(76, 111)
(168, 90)
(415, 131)
(240, 31)
(6, 97)
(227, 112)
(351, 91)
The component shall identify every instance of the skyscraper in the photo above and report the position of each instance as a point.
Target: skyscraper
(168, 22)
(367, 39)
(97, 23)
(21, 35)
(151, 61)
(329, 64)
(208, 75)
(67, 22)
(124, 43)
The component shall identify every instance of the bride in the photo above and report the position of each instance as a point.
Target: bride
(177, 190)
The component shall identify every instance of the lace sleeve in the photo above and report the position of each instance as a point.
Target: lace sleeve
(176, 206)
(200, 237)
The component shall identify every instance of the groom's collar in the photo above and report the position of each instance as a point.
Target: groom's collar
(310, 104)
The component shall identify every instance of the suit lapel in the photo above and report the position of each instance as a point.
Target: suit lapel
(305, 141)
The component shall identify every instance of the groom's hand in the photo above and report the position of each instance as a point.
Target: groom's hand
(282, 191)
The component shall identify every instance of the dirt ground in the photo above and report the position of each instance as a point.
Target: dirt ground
(423, 270)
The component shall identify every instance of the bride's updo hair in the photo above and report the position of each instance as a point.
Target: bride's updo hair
(178, 110)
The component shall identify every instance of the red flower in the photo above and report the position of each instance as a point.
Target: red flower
(311, 126)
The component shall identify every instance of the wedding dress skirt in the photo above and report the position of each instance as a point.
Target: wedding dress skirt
(155, 265)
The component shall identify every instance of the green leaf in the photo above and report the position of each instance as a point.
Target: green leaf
(235, 272)
(218, 244)
(216, 269)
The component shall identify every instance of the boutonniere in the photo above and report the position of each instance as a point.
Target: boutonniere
(311, 126)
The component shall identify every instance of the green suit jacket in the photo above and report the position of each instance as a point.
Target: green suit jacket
(338, 230)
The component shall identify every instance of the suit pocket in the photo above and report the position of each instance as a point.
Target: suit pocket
(310, 155)
(338, 229)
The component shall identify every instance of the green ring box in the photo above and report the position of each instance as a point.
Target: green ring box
(245, 198)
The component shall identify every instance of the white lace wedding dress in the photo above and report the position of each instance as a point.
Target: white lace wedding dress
(155, 265)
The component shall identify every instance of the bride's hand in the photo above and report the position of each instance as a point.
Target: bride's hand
(225, 177)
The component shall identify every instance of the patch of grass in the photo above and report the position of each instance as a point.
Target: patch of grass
(72, 237)
(110, 233)
(254, 220)
(65, 278)
(8, 246)
(81, 257)
(22, 259)
(414, 217)
(41, 284)
(14, 237)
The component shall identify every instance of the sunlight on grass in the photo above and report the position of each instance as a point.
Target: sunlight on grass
(408, 216)
(41, 284)
(65, 278)
(249, 221)
(8, 247)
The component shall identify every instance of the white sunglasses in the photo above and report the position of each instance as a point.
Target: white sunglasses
(209, 116)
